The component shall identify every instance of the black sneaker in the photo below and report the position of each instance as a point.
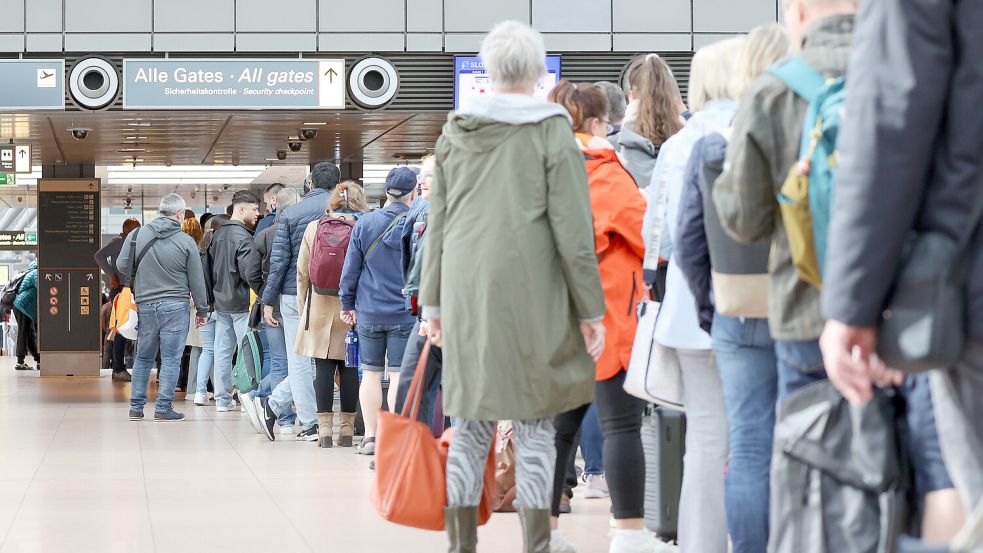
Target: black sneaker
(168, 416)
(309, 435)
(268, 422)
(22, 367)
(136, 415)
(121, 376)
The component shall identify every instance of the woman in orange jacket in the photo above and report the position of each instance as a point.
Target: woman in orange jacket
(618, 208)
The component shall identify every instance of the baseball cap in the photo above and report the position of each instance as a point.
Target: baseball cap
(400, 182)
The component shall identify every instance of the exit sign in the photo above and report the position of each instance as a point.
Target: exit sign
(7, 178)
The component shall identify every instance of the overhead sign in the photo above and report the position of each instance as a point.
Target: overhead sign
(32, 84)
(15, 158)
(233, 84)
(8, 179)
(18, 240)
(471, 79)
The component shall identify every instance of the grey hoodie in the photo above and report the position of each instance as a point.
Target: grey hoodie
(171, 270)
(638, 154)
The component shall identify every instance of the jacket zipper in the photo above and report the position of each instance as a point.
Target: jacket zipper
(634, 288)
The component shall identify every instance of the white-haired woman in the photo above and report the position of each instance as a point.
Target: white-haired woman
(510, 282)
(702, 518)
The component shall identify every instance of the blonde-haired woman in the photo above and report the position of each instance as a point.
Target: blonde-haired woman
(321, 335)
(655, 113)
(743, 347)
(702, 516)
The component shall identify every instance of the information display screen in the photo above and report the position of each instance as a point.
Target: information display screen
(471, 79)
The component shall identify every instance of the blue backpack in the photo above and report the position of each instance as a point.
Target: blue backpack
(806, 197)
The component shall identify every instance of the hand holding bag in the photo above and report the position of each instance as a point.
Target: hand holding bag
(410, 485)
(654, 374)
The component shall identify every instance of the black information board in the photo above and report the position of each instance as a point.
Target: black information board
(69, 288)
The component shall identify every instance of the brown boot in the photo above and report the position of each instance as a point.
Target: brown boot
(535, 529)
(462, 529)
(347, 435)
(325, 429)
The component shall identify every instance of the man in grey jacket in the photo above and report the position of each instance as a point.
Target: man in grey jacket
(168, 272)
(226, 266)
(911, 160)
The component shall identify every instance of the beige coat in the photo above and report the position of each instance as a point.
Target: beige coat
(322, 332)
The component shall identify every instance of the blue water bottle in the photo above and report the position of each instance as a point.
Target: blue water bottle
(352, 358)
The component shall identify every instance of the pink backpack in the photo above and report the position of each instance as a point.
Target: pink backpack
(328, 254)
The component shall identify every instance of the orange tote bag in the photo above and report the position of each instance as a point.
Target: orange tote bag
(411, 466)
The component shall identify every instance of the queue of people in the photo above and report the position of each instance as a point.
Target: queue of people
(522, 248)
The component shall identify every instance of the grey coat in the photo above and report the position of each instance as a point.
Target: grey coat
(911, 150)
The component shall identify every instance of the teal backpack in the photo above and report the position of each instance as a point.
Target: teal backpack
(806, 197)
(248, 369)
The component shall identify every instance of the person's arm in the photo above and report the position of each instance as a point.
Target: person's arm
(626, 221)
(433, 240)
(104, 258)
(254, 265)
(745, 193)
(303, 264)
(196, 281)
(352, 269)
(124, 260)
(280, 258)
(569, 212)
(692, 255)
(243, 253)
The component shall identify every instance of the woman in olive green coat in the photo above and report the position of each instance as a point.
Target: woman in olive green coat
(510, 284)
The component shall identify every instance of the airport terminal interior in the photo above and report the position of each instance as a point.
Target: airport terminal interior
(160, 114)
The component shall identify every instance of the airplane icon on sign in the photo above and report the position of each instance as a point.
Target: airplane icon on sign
(45, 74)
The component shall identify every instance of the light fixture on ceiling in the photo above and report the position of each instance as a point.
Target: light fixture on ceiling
(136, 138)
(126, 150)
(138, 124)
(315, 124)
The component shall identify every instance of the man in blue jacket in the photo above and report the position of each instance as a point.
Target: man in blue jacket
(372, 296)
(281, 287)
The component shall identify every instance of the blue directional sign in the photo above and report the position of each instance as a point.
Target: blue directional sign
(32, 84)
(234, 84)
(471, 79)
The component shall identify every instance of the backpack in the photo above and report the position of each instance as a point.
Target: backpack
(328, 254)
(840, 480)
(806, 196)
(9, 293)
(248, 369)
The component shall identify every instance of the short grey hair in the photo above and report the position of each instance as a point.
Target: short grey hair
(514, 55)
(616, 101)
(285, 198)
(172, 204)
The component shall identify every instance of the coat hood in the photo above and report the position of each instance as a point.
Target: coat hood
(394, 235)
(162, 227)
(629, 139)
(32, 265)
(489, 120)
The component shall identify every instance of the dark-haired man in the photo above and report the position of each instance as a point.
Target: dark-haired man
(269, 198)
(226, 267)
(281, 287)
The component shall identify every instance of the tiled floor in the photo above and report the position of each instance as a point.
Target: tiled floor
(77, 476)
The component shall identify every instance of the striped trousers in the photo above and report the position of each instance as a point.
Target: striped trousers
(535, 461)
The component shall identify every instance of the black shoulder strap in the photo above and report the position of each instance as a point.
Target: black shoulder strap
(131, 280)
(375, 243)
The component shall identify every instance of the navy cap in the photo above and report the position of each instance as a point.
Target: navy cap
(400, 182)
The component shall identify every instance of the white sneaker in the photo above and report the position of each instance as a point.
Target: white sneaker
(232, 407)
(559, 544)
(597, 486)
(249, 408)
(287, 430)
(638, 541)
(200, 400)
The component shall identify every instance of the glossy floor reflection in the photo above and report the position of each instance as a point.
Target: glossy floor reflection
(77, 476)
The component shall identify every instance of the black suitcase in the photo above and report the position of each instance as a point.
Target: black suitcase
(663, 440)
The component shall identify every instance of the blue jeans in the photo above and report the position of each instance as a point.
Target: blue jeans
(800, 363)
(160, 325)
(298, 388)
(206, 361)
(229, 331)
(382, 345)
(749, 374)
(276, 349)
(592, 442)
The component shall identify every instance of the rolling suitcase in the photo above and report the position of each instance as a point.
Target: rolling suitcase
(663, 440)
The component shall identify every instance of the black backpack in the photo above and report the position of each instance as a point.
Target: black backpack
(9, 293)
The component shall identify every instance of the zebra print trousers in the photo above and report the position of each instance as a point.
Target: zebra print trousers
(535, 462)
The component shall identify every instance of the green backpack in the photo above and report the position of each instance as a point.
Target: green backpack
(248, 369)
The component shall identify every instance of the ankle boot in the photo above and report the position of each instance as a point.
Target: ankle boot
(325, 429)
(535, 529)
(462, 529)
(347, 435)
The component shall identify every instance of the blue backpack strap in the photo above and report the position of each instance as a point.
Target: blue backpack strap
(800, 77)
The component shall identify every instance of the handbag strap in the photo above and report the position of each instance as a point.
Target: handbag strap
(659, 203)
(375, 243)
(132, 277)
(411, 407)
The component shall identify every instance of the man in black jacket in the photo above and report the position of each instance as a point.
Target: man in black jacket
(227, 264)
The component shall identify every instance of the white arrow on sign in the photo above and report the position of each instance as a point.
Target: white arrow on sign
(22, 158)
(331, 84)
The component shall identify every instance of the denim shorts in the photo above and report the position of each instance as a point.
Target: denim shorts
(382, 346)
(923, 437)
